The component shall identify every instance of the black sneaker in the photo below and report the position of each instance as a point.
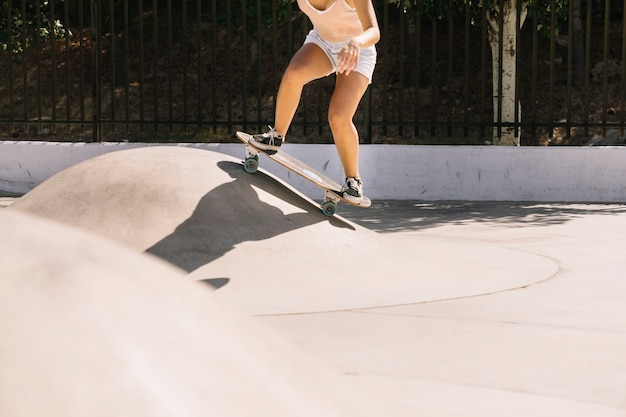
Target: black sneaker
(353, 190)
(269, 142)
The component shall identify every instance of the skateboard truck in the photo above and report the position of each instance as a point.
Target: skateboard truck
(329, 205)
(251, 164)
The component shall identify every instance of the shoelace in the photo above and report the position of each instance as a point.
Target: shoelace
(353, 184)
(271, 135)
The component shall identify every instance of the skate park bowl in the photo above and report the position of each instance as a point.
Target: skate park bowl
(269, 246)
(508, 308)
(92, 328)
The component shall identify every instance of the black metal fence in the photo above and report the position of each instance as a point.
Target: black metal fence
(201, 69)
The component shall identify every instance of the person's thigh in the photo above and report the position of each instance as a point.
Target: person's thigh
(349, 90)
(309, 63)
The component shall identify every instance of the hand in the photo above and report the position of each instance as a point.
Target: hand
(348, 57)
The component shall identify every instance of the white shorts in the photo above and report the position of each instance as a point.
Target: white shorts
(367, 57)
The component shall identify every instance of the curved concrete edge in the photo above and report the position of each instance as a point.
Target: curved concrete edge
(396, 172)
(205, 214)
(393, 273)
(91, 328)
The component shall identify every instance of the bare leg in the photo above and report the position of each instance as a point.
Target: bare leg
(343, 105)
(308, 64)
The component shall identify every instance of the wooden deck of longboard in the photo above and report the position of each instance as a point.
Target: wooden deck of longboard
(304, 170)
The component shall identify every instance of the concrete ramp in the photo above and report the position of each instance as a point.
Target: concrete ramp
(90, 328)
(271, 246)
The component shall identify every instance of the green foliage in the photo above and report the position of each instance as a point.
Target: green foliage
(254, 10)
(440, 9)
(22, 22)
(543, 12)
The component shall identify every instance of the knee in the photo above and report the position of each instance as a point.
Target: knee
(338, 117)
(293, 75)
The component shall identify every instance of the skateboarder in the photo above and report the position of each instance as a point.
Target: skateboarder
(342, 41)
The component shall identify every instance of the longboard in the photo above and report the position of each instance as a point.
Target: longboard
(332, 190)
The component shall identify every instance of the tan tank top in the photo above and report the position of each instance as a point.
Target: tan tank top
(337, 23)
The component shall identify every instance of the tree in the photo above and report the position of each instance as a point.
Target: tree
(505, 19)
(22, 21)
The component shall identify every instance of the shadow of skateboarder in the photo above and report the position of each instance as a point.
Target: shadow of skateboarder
(234, 213)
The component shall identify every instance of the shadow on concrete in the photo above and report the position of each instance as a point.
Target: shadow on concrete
(215, 283)
(233, 213)
(397, 216)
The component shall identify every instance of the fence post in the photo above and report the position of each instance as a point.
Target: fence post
(367, 116)
(95, 76)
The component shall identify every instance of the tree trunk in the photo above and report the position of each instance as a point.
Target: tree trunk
(504, 58)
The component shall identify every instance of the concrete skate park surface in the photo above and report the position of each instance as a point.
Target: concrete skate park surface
(438, 309)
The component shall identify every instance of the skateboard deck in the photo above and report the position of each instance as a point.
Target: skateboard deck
(332, 190)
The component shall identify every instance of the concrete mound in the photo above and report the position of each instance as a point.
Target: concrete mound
(90, 328)
(140, 196)
(270, 248)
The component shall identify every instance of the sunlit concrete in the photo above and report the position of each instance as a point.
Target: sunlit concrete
(90, 328)
(441, 308)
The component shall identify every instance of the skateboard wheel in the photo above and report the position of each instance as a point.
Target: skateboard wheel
(251, 165)
(329, 208)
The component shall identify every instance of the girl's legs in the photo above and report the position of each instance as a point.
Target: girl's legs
(349, 90)
(308, 64)
(311, 63)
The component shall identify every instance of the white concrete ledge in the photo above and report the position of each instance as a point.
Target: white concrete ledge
(394, 172)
